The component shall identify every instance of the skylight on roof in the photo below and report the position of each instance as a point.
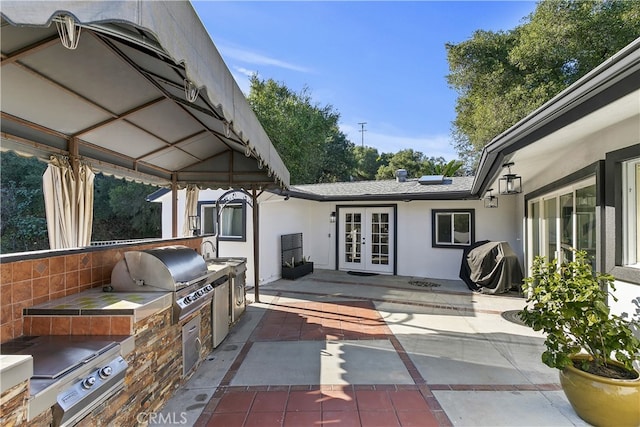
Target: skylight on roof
(431, 179)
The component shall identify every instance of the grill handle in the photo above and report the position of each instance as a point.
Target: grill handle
(197, 279)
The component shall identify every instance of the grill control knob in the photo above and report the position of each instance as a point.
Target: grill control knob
(88, 382)
(105, 372)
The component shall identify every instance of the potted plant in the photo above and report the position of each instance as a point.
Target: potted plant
(594, 350)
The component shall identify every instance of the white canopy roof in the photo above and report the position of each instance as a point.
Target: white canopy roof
(119, 97)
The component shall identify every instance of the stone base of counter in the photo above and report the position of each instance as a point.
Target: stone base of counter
(14, 404)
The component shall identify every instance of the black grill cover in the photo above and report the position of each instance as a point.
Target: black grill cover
(490, 267)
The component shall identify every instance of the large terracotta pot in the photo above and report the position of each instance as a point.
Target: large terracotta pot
(602, 401)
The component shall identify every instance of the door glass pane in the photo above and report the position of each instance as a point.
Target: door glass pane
(566, 227)
(352, 238)
(379, 238)
(550, 228)
(586, 221)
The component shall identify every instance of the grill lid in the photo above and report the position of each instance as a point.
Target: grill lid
(168, 267)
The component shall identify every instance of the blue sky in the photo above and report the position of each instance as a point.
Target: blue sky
(379, 62)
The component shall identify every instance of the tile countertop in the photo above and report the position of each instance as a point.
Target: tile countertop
(95, 301)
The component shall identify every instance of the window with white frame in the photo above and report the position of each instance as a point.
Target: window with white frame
(630, 213)
(232, 220)
(452, 228)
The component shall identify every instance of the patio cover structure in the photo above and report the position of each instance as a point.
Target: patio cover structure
(139, 92)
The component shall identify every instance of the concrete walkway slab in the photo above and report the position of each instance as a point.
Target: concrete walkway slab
(505, 408)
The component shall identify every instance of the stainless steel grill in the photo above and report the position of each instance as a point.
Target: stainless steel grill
(176, 269)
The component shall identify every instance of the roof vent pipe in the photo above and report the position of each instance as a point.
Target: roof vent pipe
(401, 175)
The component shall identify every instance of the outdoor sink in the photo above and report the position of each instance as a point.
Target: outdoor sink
(216, 265)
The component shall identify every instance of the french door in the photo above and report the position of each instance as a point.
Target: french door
(366, 239)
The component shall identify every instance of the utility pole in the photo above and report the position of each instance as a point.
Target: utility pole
(362, 130)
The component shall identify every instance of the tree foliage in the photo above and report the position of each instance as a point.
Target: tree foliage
(305, 134)
(122, 212)
(417, 164)
(23, 225)
(367, 163)
(503, 76)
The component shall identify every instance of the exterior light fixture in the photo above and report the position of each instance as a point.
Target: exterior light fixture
(332, 217)
(510, 183)
(190, 91)
(194, 224)
(491, 201)
(68, 31)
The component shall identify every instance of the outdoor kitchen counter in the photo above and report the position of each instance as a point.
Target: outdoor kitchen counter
(96, 302)
(14, 369)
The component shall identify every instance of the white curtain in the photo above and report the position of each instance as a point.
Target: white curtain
(190, 208)
(226, 221)
(85, 204)
(68, 203)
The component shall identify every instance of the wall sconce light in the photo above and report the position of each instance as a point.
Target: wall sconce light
(510, 183)
(194, 224)
(190, 91)
(68, 31)
(332, 217)
(490, 201)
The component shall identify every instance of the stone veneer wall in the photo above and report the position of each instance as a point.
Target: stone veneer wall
(47, 276)
(14, 403)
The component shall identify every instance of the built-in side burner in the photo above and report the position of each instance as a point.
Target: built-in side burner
(82, 371)
(54, 356)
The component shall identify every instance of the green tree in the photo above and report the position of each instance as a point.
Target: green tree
(122, 212)
(410, 160)
(305, 134)
(503, 76)
(417, 164)
(338, 161)
(450, 168)
(23, 226)
(367, 163)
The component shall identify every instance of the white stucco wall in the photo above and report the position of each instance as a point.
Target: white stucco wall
(628, 296)
(415, 257)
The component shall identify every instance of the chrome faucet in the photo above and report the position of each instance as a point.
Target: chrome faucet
(206, 255)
